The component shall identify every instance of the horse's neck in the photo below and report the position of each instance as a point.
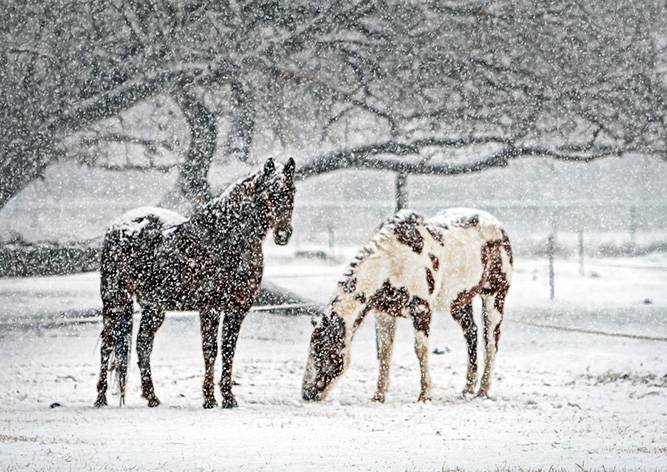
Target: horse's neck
(363, 278)
(235, 221)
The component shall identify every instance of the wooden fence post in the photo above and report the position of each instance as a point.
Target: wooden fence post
(551, 243)
(332, 241)
(401, 191)
(581, 252)
(633, 224)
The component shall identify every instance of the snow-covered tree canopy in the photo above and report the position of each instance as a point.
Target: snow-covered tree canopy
(415, 87)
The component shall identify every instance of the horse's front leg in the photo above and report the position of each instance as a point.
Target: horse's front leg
(209, 322)
(110, 318)
(421, 319)
(152, 318)
(231, 325)
(385, 330)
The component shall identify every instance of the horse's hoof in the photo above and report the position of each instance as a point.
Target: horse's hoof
(378, 397)
(229, 402)
(153, 402)
(424, 399)
(210, 403)
(101, 401)
(484, 395)
(467, 394)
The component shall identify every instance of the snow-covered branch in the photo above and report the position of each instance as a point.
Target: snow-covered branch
(391, 156)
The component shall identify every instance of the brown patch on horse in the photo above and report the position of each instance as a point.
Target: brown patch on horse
(407, 233)
(498, 286)
(496, 279)
(420, 310)
(507, 246)
(435, 262)
(464, 297)
(348, 285)
(430, 281)
(493, 281)
(490, 257)
(328, 340)
(435, 234)
(467, 221)
(464, 317)
(389, 299)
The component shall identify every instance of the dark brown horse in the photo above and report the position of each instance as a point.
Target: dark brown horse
(212, 263)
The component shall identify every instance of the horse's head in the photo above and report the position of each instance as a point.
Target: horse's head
(326, 356)
(275, 194)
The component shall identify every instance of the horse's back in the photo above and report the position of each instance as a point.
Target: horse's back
(133, 221)
(129, 246)
(139, 228)
(483, 224)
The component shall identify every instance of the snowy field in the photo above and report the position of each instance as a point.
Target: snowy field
(562, 399)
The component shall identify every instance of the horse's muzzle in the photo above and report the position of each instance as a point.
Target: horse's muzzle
(311, 395)
(281, 236)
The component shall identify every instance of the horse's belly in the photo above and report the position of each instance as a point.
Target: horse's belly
(462, 270)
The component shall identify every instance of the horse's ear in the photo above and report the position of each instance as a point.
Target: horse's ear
(269, 167)
(288, 170)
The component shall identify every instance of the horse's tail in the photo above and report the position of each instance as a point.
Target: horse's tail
(507, 246)
(123, 347)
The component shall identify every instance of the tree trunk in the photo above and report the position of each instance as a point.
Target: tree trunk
(240, 137)
(22, 163)
(24, 160)
(192, 183)
(401, 194)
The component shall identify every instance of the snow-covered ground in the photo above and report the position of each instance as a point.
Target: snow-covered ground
(562, 399)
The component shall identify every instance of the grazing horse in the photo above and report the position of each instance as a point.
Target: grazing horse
(211, 262)
(411, 267)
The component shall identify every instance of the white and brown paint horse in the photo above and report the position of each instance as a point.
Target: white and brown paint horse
(211, 262)
(410, 268)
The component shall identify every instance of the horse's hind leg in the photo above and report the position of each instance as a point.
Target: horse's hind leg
(123, 340)
(421, 319)
(113, 311)
(209, 321)
(151, 320)
(493, 316)
(109, 320)
(385, 329)
(464, 317)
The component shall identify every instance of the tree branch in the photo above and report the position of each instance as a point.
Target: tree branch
(121, 98)
(150, 144)
(375, 156)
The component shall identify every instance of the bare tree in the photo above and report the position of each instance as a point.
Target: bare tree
(428, 87)
(509, 79)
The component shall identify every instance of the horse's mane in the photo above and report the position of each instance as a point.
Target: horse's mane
(384, 232)
(230, 201)
(232, 193)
